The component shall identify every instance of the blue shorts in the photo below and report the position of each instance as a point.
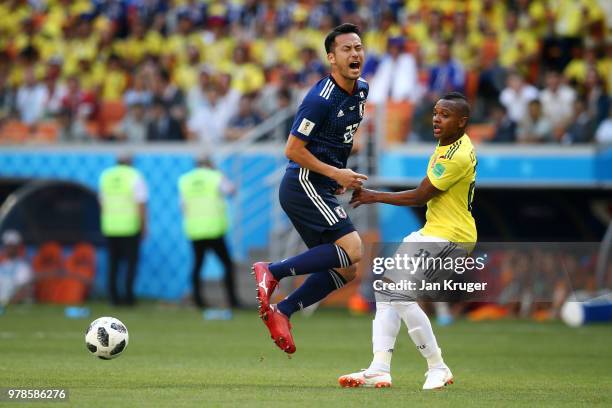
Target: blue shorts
(312, 207)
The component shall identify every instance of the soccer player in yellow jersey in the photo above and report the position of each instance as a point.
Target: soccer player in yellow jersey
(448, 190)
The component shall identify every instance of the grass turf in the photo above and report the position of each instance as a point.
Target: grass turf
(176, 359)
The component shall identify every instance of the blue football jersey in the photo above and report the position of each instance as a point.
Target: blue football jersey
(327, 120)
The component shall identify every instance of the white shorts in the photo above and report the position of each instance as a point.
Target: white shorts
(416, 236)
(428, 255)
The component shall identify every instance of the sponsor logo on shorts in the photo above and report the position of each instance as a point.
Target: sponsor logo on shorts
(340, 211)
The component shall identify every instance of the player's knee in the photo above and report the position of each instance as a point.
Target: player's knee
(351, 244)
(354, 254)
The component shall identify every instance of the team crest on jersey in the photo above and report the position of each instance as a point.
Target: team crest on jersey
(340, 211)
(361, 108)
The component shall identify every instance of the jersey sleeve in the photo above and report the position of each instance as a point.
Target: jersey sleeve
(309, 118)
(445, 173)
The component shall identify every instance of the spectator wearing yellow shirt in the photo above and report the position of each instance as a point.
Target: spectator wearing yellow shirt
(270, 48)
(606, 64)
(302, 35)
(184, 36)
(576, 70)
(84, 44)
(247, 77)
(27, 59)
(466, 42)
(429, 43)
(517, 47)
(135, 47)
(375, 40)
(187, 72)
(12, 13)
(491, 11)
(91, 74)
(23, 37)
(114, 81)
(218, 45)
(573, 17)
(532, 15)
(106, 43)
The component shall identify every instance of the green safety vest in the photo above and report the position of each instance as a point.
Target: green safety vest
(204, 214)
(120, 213)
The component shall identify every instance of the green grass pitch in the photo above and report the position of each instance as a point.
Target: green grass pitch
(176, 359)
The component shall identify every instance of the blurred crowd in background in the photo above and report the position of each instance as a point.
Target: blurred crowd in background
(535, 71)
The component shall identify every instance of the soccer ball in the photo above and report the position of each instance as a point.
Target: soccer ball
(106, 338)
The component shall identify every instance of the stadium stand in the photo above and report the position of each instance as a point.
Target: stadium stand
(82, 64)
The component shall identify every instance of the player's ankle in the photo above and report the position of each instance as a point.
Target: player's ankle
(379, 367)
(435, 360)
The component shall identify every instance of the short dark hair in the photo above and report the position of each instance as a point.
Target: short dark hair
(534, 102)
(341, 29)
(461, 100)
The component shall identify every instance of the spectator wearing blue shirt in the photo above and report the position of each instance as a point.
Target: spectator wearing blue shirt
(448, 75)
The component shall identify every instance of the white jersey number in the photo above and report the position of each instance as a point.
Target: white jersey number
(350, 132)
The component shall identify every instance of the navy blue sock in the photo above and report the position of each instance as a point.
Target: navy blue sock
(315, 288)
(319, 258)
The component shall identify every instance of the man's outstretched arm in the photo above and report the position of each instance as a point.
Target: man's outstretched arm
(408, 198)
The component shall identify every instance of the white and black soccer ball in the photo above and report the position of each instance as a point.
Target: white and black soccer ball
(106, 338)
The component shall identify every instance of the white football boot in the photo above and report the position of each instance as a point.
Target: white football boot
(365, 378)
(438, 378)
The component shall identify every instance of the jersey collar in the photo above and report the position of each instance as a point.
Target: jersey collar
(458, 141)
(341, 88)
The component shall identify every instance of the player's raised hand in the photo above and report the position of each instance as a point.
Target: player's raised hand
(348, 179)
(362, 196)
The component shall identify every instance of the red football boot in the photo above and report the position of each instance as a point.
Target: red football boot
(280, 328)
(266, 283)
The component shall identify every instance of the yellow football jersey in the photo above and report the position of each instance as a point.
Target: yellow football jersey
(452, 169)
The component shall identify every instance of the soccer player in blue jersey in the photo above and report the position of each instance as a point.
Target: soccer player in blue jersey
(318, 148)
